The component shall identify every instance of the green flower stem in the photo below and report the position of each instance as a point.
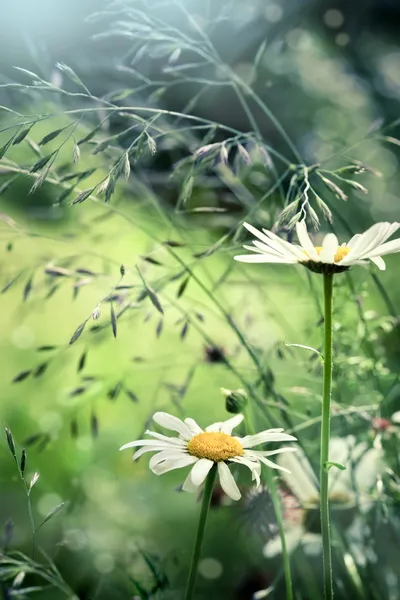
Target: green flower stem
(272, 488)
(205, 505)
(325, 435)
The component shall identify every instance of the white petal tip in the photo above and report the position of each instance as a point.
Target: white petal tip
(125, 446)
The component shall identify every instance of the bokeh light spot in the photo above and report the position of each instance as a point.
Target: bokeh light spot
(104, 562)
(342, 39)
(210, 568)
(333, 18)
(273, 13)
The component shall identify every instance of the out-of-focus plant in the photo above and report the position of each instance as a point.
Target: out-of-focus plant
(98, 156)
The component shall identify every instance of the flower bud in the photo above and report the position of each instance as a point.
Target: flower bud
(235, 400)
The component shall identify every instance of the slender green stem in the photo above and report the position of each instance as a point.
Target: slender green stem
(205, 505)
(272, 488)
(28, 498)
(279, 518)
(325, 434)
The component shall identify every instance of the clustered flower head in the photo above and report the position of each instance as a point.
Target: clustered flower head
(328, 258)
(204, 449)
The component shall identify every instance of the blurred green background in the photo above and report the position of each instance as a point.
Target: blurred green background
(329, 74)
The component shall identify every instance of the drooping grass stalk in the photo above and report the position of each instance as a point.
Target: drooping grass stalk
(205, 505)
(272, 488)
(21, 464)
(325, 435)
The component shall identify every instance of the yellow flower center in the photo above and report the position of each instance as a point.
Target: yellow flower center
(214, 446)
(340, 253)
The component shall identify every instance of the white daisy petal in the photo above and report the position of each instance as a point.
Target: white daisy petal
(165, 455)
(272, 465)
(282, 248)
(170, 440)
(145, 449)
(265, 436)
(264, 249)
(177, 463)
(262, 258)
(367, 469)
(302, 480)
(370, 239)
(173, 423)
(215, 426)
(386, 231)
(227, 426)
(253, 465)
(145, 443)
(260, 248)
(288, 249)
(194, 428)
(330, 245)
(379, 262)
(388, 248)
(305, 241)
(257, 453)
(188, 485)
(257, 250)
(200, 470)
(258, 234)
(353, 240)
(227, 482)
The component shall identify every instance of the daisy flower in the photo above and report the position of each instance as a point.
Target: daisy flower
(328, 258)
(203, 449)
(348, 490)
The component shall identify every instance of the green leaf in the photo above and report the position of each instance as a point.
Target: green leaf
(10, 283)
(7, 145)
(28, 288)
(41, 163)
(78, 332)
(113, 320)
(154, 299)
(110, 187)
(148, 291)
(127, 167)
(186, 192)
(4, 187)
(151, 144)
(91, 133)
(81, 362)
(183, 287)
(10, 442)
(77, 152)
(40, 369)
(329, 464)
(50, 136)
(21, 136)
(51, 514)
(83, 196)
(94, 425)
(23, 461)
(22, 376)
(131, 395)
(30, 73)
(33, 481)
(310, 348)
(114, 392)
(72, 75)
